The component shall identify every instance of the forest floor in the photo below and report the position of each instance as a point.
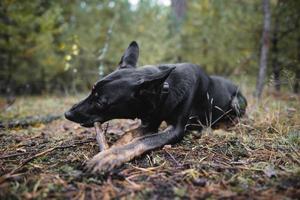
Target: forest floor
(259, 158)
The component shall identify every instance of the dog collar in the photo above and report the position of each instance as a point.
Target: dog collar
(164, 93)
(165, 88)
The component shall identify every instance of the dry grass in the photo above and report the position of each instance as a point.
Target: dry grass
(258, 158)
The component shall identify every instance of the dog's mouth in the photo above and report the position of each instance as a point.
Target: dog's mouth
(87, 124)
(90, 123)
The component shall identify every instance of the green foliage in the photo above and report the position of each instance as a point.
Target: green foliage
(288, 32)
(219, 35)
(29, 45)
(60, 45)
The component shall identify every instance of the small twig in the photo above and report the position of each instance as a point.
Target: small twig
(177, 163)
(85, 141)
(34, 157)
(295, 151)
(293, 158)
(14, 155)
(136, 186)
(149, 169)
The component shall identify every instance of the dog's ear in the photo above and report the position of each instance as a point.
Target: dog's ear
(130, 57)
(156, 78)
(149, 87)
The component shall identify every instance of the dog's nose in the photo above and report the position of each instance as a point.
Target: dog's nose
(68, 115)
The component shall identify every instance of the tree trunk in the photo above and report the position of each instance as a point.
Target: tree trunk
(179, 10)
(264, 49)
(6, 53)
(274, 50)
(28, 121)
(297, 78)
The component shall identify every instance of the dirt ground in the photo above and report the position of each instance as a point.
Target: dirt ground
(259, 158)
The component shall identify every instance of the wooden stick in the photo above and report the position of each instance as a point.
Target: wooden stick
(11, 173)
(100, 137)
(14, 155)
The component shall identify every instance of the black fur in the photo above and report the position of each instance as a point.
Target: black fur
(131, 92)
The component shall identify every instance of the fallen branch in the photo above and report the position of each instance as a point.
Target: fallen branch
(29, 121)
(14, 155)
(11, 173)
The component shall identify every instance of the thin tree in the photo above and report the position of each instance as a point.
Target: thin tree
(275, 50)
(104, 50)
(179, 8)
(297, 71)
(264, 49)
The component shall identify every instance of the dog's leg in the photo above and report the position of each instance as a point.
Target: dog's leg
(116, 156)
(129, 136)
(144, 129)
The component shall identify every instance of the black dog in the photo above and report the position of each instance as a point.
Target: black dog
(178, 94)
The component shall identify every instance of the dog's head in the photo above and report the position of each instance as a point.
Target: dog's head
(125, 93)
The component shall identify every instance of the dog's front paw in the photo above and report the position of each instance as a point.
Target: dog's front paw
(105, 161)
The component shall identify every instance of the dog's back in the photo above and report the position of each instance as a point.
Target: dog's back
(215, 100)
(228, 97)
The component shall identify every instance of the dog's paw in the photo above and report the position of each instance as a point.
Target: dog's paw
(104, 162)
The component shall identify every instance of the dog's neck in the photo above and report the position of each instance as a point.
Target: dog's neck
(152, 113)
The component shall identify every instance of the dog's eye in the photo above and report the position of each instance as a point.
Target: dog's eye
(101, 103)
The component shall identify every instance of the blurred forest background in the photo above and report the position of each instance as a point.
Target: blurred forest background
(65, 45)
(53, 51)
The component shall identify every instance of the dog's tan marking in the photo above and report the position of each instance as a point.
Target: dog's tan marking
(129, 136)
(114, 157)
